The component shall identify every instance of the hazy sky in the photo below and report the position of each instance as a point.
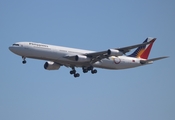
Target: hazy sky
(29, 92)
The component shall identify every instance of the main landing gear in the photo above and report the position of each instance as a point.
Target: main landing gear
(93, 71)
(73, 71)
(24, 60)
(85, 70)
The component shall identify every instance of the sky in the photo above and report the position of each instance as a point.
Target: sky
(29, 92)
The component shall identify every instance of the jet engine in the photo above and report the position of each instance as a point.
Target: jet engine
(82, 58)
(113, 52)
(51, 66)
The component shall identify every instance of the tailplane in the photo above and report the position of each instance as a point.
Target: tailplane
(149, 61)
(143, 51)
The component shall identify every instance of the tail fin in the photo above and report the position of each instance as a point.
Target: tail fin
(143, 51)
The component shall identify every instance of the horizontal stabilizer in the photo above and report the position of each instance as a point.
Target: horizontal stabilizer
(149, 61)
(154, 59)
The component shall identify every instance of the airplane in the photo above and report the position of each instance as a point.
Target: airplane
(57, 56)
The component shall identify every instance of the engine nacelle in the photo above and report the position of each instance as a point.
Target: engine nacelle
(113, 52)
(51, 66)
(82, 58)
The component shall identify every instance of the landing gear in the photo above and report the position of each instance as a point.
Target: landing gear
(85, 70)
(24, 60)
(73, 71)
(76, 75)
(93, 71)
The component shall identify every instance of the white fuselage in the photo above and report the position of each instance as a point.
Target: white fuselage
(58, 53)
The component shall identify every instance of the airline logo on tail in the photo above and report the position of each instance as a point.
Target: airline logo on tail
(143, 51)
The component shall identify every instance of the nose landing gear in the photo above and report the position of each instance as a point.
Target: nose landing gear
(24, 60)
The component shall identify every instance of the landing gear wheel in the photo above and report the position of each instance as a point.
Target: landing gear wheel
(85, 71)
(72, 72)
(94, 71)
(24, 62)
(77, 75)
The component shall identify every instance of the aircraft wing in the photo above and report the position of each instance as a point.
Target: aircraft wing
(97, 56)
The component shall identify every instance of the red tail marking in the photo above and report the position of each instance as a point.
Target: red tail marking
(145, 54)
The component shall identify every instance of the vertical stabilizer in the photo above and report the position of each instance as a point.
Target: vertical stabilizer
(143, 51)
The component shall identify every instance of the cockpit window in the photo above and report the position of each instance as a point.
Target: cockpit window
(15, 44)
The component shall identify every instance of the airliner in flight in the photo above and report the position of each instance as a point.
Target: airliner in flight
(57, 56)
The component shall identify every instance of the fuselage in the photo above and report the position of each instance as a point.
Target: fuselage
(58, 54)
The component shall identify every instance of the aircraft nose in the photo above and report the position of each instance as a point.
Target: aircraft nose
(10, 48)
